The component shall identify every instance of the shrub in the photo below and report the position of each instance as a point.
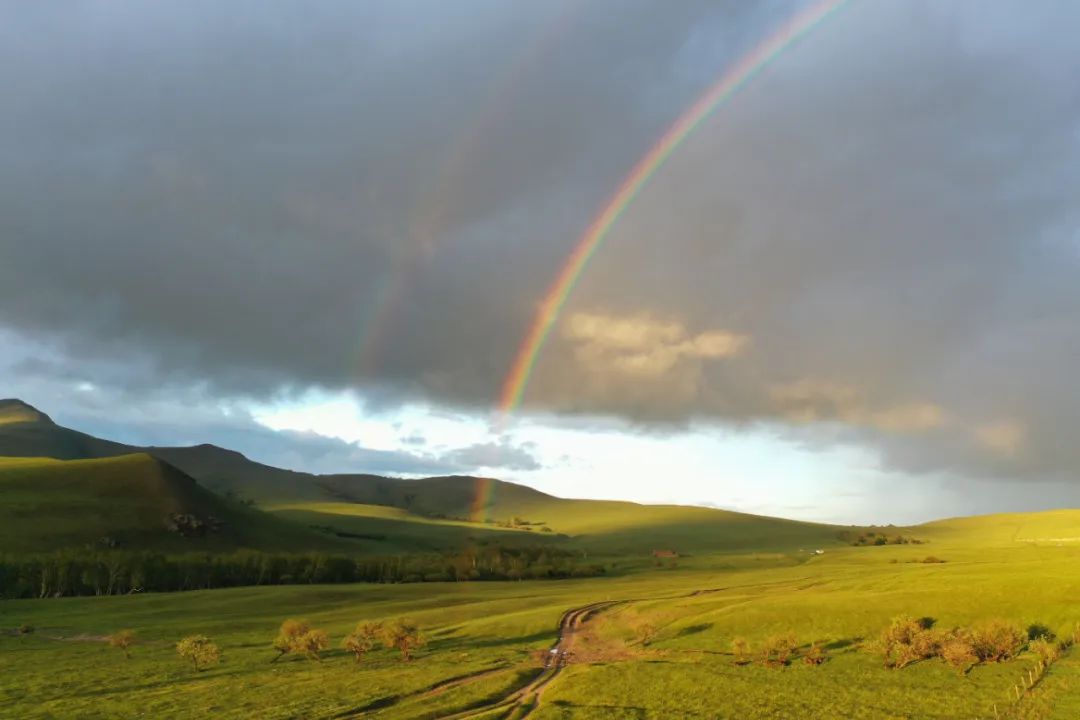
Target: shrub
(404, 636)
(930, 560)
(907, 640)
(24, 629)
(777, 650)
(814, 656)
(289, 634)
(1046, 650)
(1038, 631)
(363, 639)
(123, 640)
(956, 650)
(199, 650)
(297, 636)
(741, 650)
(996, 640)
(312, 643)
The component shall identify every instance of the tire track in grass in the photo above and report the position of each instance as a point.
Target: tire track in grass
(569, 624)
(526, 699)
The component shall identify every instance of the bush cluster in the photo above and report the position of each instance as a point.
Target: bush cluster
(775, 651)
(299, 638)
(872, 537)
(909, 640)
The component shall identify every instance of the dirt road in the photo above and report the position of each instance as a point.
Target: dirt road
(528, 696)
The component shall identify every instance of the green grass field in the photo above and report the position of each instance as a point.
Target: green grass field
(483, 636)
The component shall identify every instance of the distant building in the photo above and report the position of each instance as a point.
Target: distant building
(664, 554)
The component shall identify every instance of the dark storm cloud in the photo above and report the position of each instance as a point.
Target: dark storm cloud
(243, 188)
(875, 240)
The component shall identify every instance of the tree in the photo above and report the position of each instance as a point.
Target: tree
(199, 650)
(292, 637)
(363, 639)
(123, 640)
(312, 643)
(996, 640)
(404, 636)
(956, 650)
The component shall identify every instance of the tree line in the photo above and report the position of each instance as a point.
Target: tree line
(118, 572)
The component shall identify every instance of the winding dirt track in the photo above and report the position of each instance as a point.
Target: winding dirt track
(571, 621)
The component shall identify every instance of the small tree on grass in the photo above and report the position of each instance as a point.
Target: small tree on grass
(997, 640)
(907, 640)
(312, 643)
(199, 650)
(404, 636)
(297, 636)
(363, 639)
(289, 635)
(123, 640)
(957, 651)
(778, 649)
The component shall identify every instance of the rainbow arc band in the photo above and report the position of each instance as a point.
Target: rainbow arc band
(553, 302)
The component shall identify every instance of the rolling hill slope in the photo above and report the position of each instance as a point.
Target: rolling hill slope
(134, 502)
(430, 512)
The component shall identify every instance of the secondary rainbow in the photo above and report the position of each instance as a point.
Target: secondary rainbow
(428, 221)
(517, 380)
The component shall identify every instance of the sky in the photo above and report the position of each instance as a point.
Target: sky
(319, 234)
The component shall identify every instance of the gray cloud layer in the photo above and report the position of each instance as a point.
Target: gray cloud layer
(376, 195)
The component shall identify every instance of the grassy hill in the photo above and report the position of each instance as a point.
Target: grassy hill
(135, 502)
(430, 513)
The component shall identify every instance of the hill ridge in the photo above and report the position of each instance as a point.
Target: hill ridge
(14, 410)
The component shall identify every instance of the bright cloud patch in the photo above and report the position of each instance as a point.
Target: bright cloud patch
(807, 401)
(641, 345)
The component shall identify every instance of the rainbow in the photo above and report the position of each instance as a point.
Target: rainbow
(517, 379)
(482, 499)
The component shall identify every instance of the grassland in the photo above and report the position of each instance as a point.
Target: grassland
(484, 636)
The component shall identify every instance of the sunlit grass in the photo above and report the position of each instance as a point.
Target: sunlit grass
(482, 636)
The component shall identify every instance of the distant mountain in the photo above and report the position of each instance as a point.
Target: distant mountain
(429, 512)
(16, 411)
(30, 433)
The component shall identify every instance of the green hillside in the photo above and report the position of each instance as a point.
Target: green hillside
(434, 513)
(25, 431)
(133, 502)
